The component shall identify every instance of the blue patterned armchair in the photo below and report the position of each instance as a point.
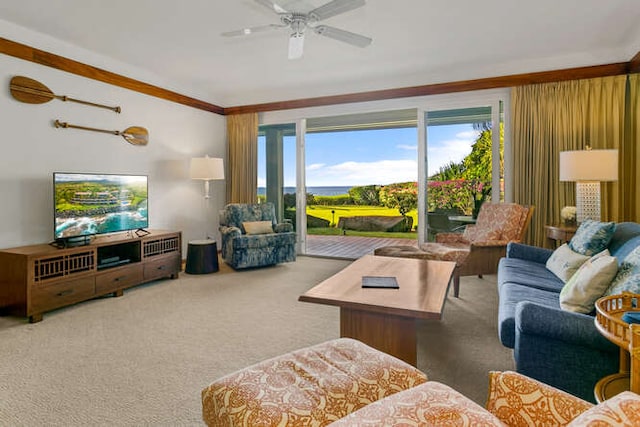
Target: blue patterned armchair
(252, 238)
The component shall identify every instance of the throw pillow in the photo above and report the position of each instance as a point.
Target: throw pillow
(621, 410)
(628, 277)
(257, 227)
(564, 262)
(592, 237)
(589, 283)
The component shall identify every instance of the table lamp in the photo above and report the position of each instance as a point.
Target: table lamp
(206, 169)
(588, 168)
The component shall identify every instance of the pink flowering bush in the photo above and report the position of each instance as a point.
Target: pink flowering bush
(402, 196)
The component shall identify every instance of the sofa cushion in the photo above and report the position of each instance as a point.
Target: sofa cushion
(521, 401)
(625, 239)
(510, 295)
(589, 283)
(429, 404)
(564, 262)
(527, 273)
(592, 237)
(477, 234)
(628, 277)
(255, 241)
(311, 386)
(621, 410)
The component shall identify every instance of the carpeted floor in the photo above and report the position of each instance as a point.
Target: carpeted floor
(143, 359)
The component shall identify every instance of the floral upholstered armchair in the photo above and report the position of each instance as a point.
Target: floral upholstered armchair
(251, 237)
(478, 250)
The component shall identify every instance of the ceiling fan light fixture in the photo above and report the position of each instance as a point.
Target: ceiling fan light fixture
(296, 45)
(298, 22)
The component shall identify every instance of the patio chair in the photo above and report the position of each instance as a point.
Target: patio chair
(478, 250)
(440, 223)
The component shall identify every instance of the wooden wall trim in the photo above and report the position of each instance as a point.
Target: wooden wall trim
(48, 59)
(440, 88)
(634, 64)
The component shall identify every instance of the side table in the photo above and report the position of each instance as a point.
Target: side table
(202, 257)
(609, 311)
(560, 234)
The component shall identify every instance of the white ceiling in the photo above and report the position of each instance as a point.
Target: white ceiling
(415, 42)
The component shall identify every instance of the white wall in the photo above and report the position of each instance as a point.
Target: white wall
(32, 149)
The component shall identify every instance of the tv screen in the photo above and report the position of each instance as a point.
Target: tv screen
(87, 204)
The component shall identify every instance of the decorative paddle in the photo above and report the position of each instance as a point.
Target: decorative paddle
(135, 135)
(31, 91)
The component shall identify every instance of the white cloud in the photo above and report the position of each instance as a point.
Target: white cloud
(407, 147)
(454, 150)
(315, 166)
(380, 172)
(468, 134)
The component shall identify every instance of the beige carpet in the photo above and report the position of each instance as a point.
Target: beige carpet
(143, 359)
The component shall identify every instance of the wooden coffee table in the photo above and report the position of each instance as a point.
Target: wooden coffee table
(386, 318)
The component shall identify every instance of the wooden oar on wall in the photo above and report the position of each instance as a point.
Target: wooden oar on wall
(135, 135)
(31, 91)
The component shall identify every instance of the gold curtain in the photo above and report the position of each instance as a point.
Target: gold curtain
(242, 146)
(630, 155)
(553, 117)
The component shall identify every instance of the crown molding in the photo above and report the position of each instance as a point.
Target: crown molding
(28, 53)
(440, 88)
(48, 59)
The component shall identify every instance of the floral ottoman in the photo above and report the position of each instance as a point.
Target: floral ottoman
(311, 386)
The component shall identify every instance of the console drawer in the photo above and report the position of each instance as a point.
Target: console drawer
(118, 278)
(162, 267)
(54, 295)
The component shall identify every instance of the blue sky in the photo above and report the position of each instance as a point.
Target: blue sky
(372, 156)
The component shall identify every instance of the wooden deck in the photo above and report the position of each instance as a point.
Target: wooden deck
(350, 247)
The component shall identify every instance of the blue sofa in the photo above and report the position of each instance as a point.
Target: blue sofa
(242, 250)
(561, 348)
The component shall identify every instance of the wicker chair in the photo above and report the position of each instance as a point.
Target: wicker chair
(480, 247)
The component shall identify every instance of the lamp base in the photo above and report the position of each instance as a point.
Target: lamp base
(587, 201)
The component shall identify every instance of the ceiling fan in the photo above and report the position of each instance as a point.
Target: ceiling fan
(298, 22)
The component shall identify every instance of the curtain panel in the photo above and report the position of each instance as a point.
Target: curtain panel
(630, 154)
(554, 117)
(242, 146)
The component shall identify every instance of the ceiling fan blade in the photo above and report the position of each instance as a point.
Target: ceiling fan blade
(333, 8)
(275, 7)
(296, 45)
(343, 36)
(251, 30)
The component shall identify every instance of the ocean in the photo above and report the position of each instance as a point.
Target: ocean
(316, 191)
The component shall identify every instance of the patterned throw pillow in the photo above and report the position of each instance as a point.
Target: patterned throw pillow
(592, 237)
(628, 277)
(564, 262)
(589, 283)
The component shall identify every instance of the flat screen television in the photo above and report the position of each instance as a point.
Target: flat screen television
(88, 204)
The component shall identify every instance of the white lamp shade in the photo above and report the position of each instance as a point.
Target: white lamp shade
(206, 168)
(589, 165)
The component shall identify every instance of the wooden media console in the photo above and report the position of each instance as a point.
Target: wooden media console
(39, 278)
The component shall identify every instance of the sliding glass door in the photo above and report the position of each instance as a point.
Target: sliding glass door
(277, 168)
(462, 153)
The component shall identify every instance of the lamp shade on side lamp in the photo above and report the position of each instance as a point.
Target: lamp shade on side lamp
(588, 168)
(206, 169)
